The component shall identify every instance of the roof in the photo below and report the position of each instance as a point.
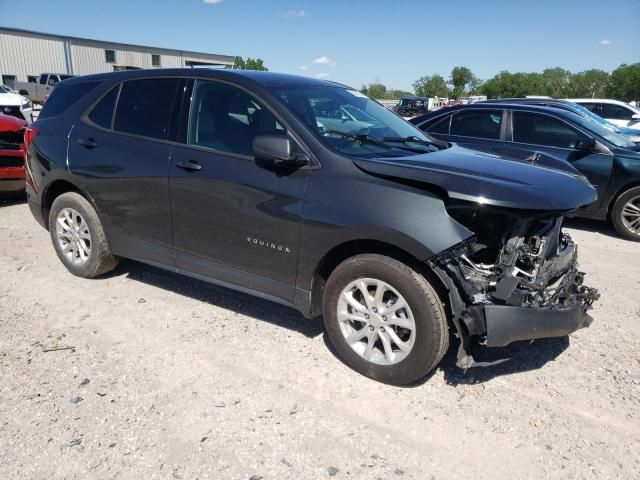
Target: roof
(485, 105)
(19, 31)
(261, 78)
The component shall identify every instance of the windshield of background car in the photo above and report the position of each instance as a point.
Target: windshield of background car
(609, 135)
(338, 114)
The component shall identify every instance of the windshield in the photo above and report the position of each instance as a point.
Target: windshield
(613, 137)
(351, 123)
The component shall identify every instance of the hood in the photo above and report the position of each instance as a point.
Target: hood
(9, 123)
(11, 99)
(489, 179)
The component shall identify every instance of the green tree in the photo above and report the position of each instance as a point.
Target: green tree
(474, 85)
(624, 83)
(249, 64)
(591, 83)
(431, 86)
(375, 90)
(557, 82)
(460, 78)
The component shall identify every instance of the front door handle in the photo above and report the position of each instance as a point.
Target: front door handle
(87, 143)
(191, 165)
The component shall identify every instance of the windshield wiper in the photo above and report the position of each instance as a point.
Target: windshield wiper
(364, 138)
(418, 140)
(361, 137)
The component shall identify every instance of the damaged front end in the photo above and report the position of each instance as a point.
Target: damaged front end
(516, 279)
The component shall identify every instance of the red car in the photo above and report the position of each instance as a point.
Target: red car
(12, 151)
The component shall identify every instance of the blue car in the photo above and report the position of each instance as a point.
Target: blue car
(555, 138)
(630, 133)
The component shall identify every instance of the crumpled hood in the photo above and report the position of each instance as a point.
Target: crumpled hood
(489, 179)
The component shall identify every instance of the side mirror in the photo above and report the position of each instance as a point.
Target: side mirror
(586, 144)
(635, 116)
(278, 149)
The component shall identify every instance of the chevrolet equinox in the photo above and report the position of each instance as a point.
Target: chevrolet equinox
(308, 193)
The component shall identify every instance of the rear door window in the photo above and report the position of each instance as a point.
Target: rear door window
(477, 124)
(102, 113)
(144, 107)
(537, 129)
(63, 96)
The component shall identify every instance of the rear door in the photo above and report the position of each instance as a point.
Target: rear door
(234, 218)
(539, 132)
(120, 152)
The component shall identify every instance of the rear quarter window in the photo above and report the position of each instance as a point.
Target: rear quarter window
(64, 96)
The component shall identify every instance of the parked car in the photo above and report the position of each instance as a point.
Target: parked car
(610, 161)
(619, 113)
(226, 176)
(630, 133)
(43, 87)
(410, 105)
(15, 105)
(11, 153)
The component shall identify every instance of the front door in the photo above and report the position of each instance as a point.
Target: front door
(234, 218)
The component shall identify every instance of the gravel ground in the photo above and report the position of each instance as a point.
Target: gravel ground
(146, 374)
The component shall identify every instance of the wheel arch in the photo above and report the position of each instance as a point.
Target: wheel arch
(621, 191)
(351, 248)
(54, 190)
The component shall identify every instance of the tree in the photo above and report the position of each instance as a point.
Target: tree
(375, 90)
(624, 83)
(591, 83)
(557, 82)
(431, 86)
(460, 77)
(474, 85)
(250, 64)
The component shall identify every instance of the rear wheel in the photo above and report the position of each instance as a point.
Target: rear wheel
(625, 214)
(78, 237)
(384, 319)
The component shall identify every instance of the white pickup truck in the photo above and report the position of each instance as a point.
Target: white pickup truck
(38, 91)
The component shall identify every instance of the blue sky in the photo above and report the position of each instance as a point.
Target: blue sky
(357, 42)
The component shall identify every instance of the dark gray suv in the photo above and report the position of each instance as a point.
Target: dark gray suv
(239, 179)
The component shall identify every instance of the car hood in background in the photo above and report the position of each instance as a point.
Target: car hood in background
(489, 179)
(11, 99)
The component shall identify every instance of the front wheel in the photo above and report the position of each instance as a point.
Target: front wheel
(384, 319)
(625, 214)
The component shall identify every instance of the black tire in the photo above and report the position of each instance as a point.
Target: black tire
(100, 259)
(617, 214)
(431, 332)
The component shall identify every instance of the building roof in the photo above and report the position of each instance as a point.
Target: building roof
(170, 51)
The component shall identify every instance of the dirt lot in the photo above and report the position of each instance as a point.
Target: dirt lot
(173, 378)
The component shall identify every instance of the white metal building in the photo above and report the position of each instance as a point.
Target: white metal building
(25, 54)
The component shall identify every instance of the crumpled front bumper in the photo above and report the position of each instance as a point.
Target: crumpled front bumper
(506, 315)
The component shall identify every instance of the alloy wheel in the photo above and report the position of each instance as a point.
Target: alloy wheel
(376, 321)
(74, 238)
(631, 215)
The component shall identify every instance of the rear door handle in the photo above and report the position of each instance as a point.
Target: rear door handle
(191, 165)
(87, 143)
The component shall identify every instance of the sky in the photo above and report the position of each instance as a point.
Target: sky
(357, 42)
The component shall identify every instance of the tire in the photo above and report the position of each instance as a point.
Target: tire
(386, 362)
(93, 258)
(625, 214)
